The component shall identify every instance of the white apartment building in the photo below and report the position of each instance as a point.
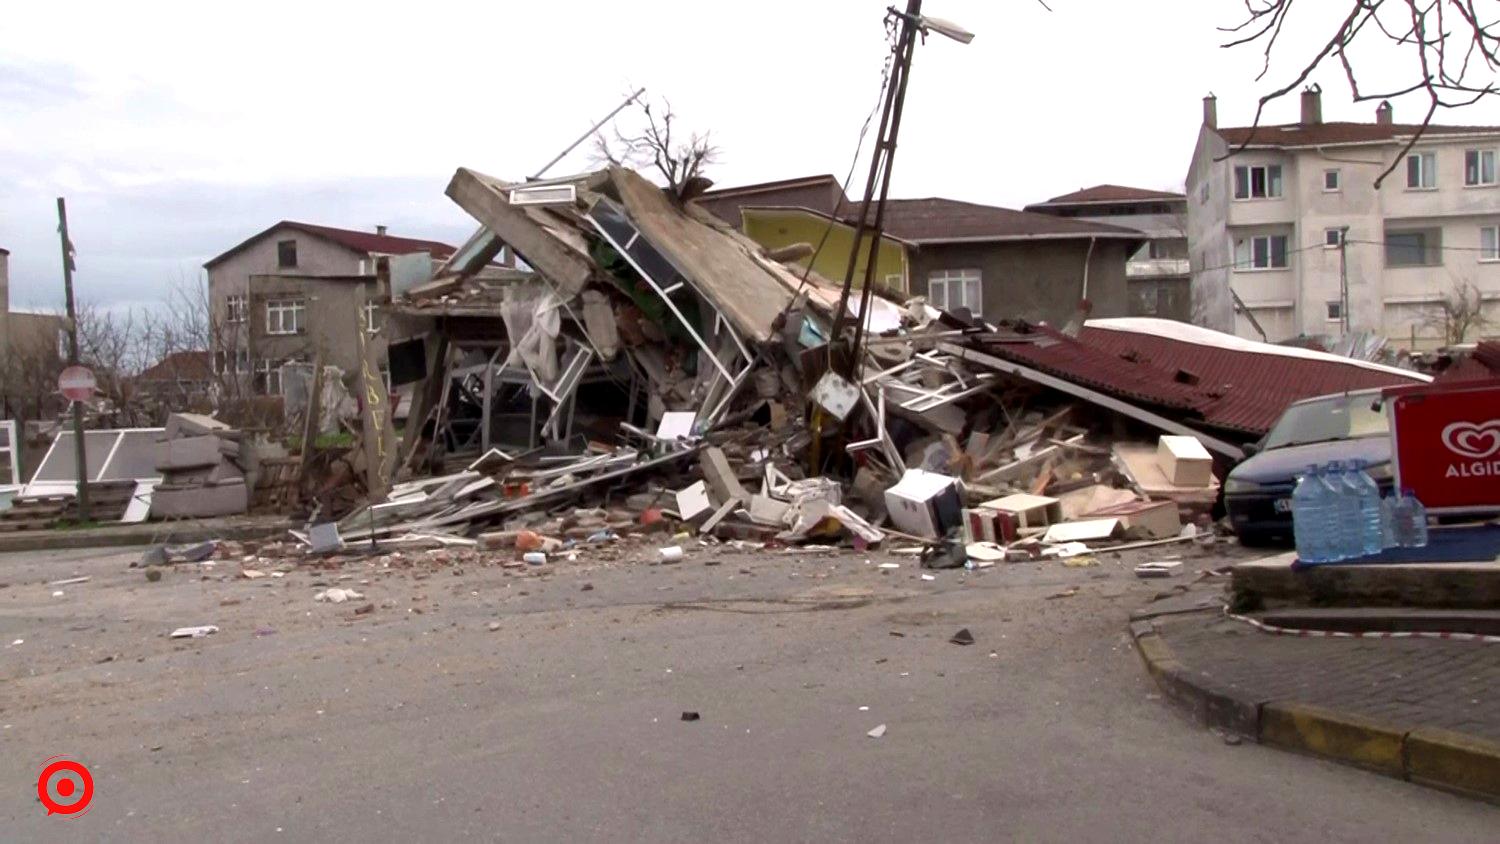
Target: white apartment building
(1273, 227)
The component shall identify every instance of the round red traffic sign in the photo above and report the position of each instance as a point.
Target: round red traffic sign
(76, 383)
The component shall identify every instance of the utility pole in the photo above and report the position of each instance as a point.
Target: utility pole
(79, 450)
(1344, 279)
(880, 171)
(913, 25)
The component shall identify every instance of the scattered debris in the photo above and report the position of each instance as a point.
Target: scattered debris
(493, 626)
(877, 732)
(962, 637)
(690, 716)
(1162, 568)
(337, 595)
(193, 632)
(69, 581)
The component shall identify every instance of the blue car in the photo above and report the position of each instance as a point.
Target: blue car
(1344, 426)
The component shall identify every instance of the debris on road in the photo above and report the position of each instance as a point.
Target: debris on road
(690, 716)
(877, 732)
(193, 632)
(337, 595)
(1160, 568)
(962, 637)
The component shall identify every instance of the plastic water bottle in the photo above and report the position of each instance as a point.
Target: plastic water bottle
(1310, 517)
(1410, 519)
(1366, 492)
(1343, 514)
(1388, 520)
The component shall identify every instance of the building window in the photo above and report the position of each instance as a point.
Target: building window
(1263, 252)
(284, 316)
(1335, 311)
(1479, 167)
(1414, 248)
(286, 253)
(1259, 181)
(1332, 238)
(950, 290)
(1330, 181)
(372, 324)
(235, 308)
(1489, 243)
(1421, 171)
(268, 377)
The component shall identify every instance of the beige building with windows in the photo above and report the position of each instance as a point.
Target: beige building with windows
(1289, 236)
(295, 289)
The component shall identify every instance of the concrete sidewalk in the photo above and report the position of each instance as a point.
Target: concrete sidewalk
(147, 533)
(1426, 710)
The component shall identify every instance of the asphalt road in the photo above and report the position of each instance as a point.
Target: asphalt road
(305, 721)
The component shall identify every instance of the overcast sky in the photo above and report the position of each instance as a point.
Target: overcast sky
(175, 130)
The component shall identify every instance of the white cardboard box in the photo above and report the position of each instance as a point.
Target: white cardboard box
(1184, 461)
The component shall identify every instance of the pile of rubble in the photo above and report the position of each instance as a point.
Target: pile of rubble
(198, 458)
(651, 365)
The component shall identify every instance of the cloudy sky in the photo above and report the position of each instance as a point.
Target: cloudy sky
(175, 130)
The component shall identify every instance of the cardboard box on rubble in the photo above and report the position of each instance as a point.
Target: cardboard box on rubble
(204, 451)
(226, 499)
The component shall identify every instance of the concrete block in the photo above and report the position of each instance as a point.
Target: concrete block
(722, 481)
(200, 501)
(204, 451)
(195, 425)
(223, 472)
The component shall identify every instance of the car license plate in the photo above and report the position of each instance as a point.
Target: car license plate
(1283, 505)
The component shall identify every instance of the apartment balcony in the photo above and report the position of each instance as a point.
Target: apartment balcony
(1157, 268)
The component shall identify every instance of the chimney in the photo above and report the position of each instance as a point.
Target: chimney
(4, 302)
(1383, 113)
(380, 230)
(1211, 111)
(1312, 104)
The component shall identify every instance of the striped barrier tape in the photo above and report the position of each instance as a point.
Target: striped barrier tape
(1305, 633)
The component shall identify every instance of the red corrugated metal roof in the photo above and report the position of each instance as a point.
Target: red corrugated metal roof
(1230, 389)
(1253, 388)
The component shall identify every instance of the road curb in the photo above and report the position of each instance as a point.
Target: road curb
(1429, 756)
(47, 540)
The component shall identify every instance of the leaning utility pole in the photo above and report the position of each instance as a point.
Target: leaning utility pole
(79, 449)
(1344, 279)
(913, 24)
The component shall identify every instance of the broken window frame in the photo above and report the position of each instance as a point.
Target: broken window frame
(8, 449)
(612, 211)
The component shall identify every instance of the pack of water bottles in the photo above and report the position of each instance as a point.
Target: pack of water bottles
(1338, 514)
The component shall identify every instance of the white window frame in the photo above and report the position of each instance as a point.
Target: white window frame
(1328, 311)
(1338, 180)
(1426, 171)
(1335, 241)
(285, 316)
(1489, 253)
(236, 307)
(1480, 157)
(1266, 181)
(1247, 264)
(370, 311)
(9, 450)
(970, 284)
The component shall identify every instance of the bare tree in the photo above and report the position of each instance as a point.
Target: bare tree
(1452, 53)
(1458, 314)
(680, 162)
